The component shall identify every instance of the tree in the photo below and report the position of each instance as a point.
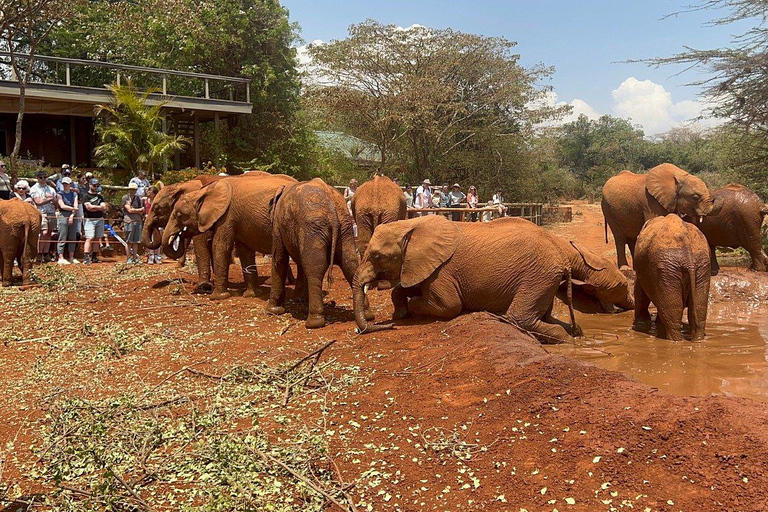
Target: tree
(130, 133)
(244, 38)
(737, 76)
(423, 94)
(24, 26)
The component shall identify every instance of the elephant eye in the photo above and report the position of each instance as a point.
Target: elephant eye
(696, 197)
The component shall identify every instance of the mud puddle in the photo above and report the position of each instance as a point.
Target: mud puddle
(731, 360)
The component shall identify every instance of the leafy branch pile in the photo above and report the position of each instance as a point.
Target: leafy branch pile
(195, 440)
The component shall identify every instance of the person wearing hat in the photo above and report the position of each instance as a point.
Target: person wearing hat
(455, 198)
(141, 182)
(68, 203)
(94, 208)
(44, 197)
(5, 182)
(21, 190)
(498, 199)
(423, 195)
(133, 219)
(66, 171)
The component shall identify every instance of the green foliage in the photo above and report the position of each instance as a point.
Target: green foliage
(243, 38)
(131, 135)
(477, 90)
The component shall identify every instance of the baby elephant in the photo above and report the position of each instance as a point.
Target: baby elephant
(672, 266)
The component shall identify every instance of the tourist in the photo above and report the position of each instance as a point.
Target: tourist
(423, 196)
(44, 197)
(472, 201)
(408, 196)
(68, 203)
(498, 199)
(95, 206)
(488, 215)
(349, 192)
(455, 198)
(133, 207)
(5, 182)
(21, 190)
(444, 193)
(141, 182)
(66, 172)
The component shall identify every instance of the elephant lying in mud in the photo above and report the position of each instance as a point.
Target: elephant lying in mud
(735, 221)
(19, 231)
(629, 200)
(444, 268)
(313, 226)
(673, 271)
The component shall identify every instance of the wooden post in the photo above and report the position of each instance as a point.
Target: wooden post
(72, 143)
(165, 86)
(68, 80)
(207, 95)
(165, 130)
(196, 140)
(118, 78)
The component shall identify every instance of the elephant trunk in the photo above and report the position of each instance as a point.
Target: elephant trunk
(146, 235)
(627, 304)
(363, 276)
(171, 236)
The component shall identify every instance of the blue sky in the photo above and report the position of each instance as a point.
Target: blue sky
(585, 41)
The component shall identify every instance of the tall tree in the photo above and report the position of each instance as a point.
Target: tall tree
(423, 94)
(24, 26)
(244, 38)
(736, 80)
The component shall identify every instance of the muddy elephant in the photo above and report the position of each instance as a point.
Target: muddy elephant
(237, 211)
(630, 199)
(735, 221)
(378, 201)
(158, 217)
(444, 268)
(313, 226)
(19, 231)
(672, 268)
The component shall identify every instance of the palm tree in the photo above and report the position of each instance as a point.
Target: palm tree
(130, 133)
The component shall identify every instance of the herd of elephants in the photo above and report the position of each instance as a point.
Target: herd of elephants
(668, 218)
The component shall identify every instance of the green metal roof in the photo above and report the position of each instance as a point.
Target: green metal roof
(350, 146)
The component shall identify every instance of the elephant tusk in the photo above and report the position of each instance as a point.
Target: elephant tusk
(701, 219)
(365, 288)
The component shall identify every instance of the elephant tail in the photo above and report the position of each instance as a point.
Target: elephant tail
(575, 329)
(26, 257)
(334, 240)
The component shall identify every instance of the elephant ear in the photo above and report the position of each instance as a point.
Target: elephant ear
(590, 259)
(663, 182)
(585, 287)
(430, 242)
(213, 203)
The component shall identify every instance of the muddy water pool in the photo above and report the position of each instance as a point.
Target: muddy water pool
(731, 360)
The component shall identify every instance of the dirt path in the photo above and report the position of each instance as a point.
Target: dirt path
(461, 415)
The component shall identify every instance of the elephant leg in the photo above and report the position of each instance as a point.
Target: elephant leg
(224, 244)
(202, 247)
(631, 244)
(248, 264)
(670, 315)
(436, 300)
(713, 264)
(400, 298)
(530, 306)
(280, 267)
(642, 302)
(620, 241)
(759, 260)
(300, 292)
(6, 262)
(315, 316)
(182, 262)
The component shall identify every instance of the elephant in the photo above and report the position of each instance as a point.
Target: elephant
(19, 231)
(444, 268)
(630, 199)
(237, 210)
(313, 226)
(158, 217)
(735, 221)
(378, 201)
(673, 271)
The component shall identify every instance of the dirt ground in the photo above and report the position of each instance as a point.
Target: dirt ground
(460, 415)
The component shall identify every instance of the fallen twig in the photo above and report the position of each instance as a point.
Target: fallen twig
(317, 352)
(301, 477)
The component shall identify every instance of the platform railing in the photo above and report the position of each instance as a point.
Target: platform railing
(83, 73)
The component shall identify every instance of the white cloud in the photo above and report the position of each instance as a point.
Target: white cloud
(647, 104)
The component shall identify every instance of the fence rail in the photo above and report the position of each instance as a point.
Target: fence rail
(528, 211)
(81, 73)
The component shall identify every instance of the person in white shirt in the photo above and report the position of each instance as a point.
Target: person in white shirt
(141, 182)
(423, 198)
(44, 197)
